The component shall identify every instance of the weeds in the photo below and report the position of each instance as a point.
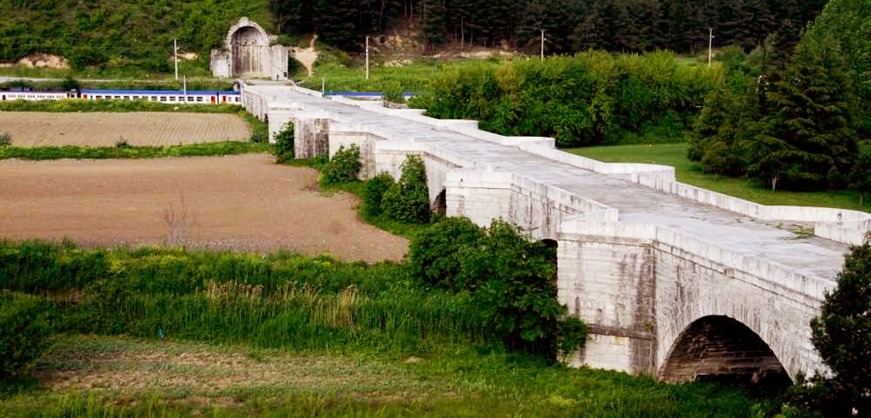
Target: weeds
(5, 140)
(125, 151)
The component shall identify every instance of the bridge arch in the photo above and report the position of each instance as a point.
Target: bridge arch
(720, 348)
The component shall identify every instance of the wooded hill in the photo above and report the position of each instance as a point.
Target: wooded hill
(120, 33)
(570, 25)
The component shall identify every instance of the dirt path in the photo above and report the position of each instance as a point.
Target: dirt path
(98, 129)
(244, 203)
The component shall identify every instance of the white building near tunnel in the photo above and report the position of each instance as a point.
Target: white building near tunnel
(248, 53)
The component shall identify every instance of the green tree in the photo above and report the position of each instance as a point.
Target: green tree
(408, 199)
(510, 278)
(842, 335)
(807, 128)
(344, 166)
(25, 332)
(860, 176)
(284, 144)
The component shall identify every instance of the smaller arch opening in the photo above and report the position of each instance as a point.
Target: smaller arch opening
(723, 350)
(550, 254)
(440, 204)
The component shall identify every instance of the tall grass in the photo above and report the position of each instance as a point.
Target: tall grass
(277, 301)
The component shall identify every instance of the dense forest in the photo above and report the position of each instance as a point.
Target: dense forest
(569, 25)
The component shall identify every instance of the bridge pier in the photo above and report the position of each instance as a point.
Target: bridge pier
(609, 282)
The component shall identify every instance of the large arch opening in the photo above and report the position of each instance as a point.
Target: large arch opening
(249, 46)
(721, 349)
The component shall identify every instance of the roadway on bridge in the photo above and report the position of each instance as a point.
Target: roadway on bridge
(813, 257)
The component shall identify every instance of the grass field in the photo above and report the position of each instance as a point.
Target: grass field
(95, 376)
(690, 172)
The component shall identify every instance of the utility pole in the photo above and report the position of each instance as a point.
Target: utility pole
(175, 53)
(367, 57)
(542, 44)
(710, 44)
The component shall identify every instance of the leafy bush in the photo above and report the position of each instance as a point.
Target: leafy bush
(374, 192)
(344, 166)
(408, 199)
(393, 92)
(510, 278)
(25, 332)
(284, 144)
(5, 140)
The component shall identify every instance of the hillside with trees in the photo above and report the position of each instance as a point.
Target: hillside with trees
(120, 33)
(570, 25)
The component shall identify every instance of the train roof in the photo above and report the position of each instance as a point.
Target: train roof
(163, 92)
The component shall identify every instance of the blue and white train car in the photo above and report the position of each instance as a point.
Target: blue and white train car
(167, 96)
(35, 95)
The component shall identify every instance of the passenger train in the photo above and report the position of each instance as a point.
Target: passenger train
(161, 96)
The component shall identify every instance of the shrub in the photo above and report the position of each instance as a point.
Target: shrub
(344, 166)
(284, 144)
(510, 278)
(5, 140)
(374, 193)
(393, 92)
(25, 332)
(122, 143)
(408, 199)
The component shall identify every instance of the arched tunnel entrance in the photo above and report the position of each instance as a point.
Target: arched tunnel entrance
(721, 349)
(249, 45)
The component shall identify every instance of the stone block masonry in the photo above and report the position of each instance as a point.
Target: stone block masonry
(673, 280)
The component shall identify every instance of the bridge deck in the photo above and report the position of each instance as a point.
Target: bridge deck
(813, 257)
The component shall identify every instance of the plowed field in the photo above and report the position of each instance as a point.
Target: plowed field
(244, 203)
(32, 129)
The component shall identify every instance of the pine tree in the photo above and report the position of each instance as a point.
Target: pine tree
(808, 124)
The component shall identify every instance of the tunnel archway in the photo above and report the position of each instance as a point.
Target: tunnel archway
(721, 349)
(249, 44)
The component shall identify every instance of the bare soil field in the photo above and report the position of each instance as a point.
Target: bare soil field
(34, 129)
(243, 203)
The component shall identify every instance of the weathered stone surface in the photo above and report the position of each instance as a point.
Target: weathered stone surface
(644, 260)
(247, 52)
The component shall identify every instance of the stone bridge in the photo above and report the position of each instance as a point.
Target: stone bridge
(674, 281)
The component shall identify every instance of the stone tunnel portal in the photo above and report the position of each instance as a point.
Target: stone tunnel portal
(721, 349)
(249, 48)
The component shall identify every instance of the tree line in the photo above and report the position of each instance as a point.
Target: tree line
(591, 98)
(795, 124)
(569, 25)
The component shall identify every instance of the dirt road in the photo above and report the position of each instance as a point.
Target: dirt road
(244, 203)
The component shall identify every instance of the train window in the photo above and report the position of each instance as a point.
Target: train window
(190, 98)
(162, 98)
(172, 98)
(199, 98)
(153, 98)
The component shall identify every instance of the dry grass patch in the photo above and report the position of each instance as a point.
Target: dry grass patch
(39, 129)
(201, 373)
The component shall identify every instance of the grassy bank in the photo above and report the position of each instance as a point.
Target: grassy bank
(690, 172)
(168, 332)
(128, 152)
(182, 378)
